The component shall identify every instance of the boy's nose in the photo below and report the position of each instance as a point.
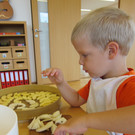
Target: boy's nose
(80, 61)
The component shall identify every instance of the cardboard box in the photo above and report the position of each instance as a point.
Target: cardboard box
(19, 52)
(6, 64)
(12, 42)
(20, 64)
(5, 53)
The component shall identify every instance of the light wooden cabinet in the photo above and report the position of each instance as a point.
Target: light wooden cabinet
(14, 54)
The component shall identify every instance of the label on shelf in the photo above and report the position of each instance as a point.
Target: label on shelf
(5, 66)
(4, 55)
(19, 54)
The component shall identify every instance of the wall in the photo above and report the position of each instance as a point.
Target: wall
(63, 15)
(22, 12)
(129, 8)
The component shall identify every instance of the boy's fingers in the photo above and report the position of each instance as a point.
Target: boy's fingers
(49, 72)
(56, 74)
(54, 71)
(46, 72)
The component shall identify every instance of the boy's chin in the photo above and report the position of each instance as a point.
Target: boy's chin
(95, 76)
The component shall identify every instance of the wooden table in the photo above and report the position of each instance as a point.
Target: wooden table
(67, 110)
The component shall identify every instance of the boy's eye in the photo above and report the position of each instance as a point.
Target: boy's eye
(85, 55)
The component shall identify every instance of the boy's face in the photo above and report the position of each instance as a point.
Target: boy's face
(95, 61)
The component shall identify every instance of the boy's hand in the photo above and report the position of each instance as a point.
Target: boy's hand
(54, 74)
(72, 126)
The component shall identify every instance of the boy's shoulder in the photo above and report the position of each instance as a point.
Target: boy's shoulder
(130, 81)
(125, 95)
(131, 72)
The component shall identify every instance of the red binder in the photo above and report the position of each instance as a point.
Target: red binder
(7, 79)
(12, 78)
(21, 80)
(16, 77)
(3, 81)
(26, 79)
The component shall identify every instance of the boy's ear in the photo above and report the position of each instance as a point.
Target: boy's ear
(113, 48)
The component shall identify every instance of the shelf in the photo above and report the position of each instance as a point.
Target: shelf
(21, 35)
(12, 57)
(5, 47)
(12, 69)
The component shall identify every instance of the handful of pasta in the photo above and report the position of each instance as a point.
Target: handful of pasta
(28, 100)
(47, 122)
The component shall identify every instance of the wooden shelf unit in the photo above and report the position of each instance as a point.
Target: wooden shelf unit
(14, 46)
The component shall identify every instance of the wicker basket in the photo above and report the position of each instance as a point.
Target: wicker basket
(29, 114)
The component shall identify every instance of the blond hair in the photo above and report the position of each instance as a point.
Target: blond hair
(104, 25)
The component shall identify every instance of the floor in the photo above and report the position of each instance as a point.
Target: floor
(79, 84)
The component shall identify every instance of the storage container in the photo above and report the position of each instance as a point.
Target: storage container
(19, 52)
(6, 64)
(8, 121)
(20, 64)
(5, 53)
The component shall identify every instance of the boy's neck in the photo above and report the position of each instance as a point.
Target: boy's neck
(115, 74)
(118, 68)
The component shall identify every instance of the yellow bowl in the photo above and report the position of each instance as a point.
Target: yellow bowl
(30, 114)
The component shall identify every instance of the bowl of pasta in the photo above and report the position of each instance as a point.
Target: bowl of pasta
(29, 101)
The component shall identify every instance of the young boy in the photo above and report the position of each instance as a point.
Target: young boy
(102, 39)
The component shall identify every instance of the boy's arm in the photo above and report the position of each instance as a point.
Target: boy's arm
(121, 120)
(69, 94)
